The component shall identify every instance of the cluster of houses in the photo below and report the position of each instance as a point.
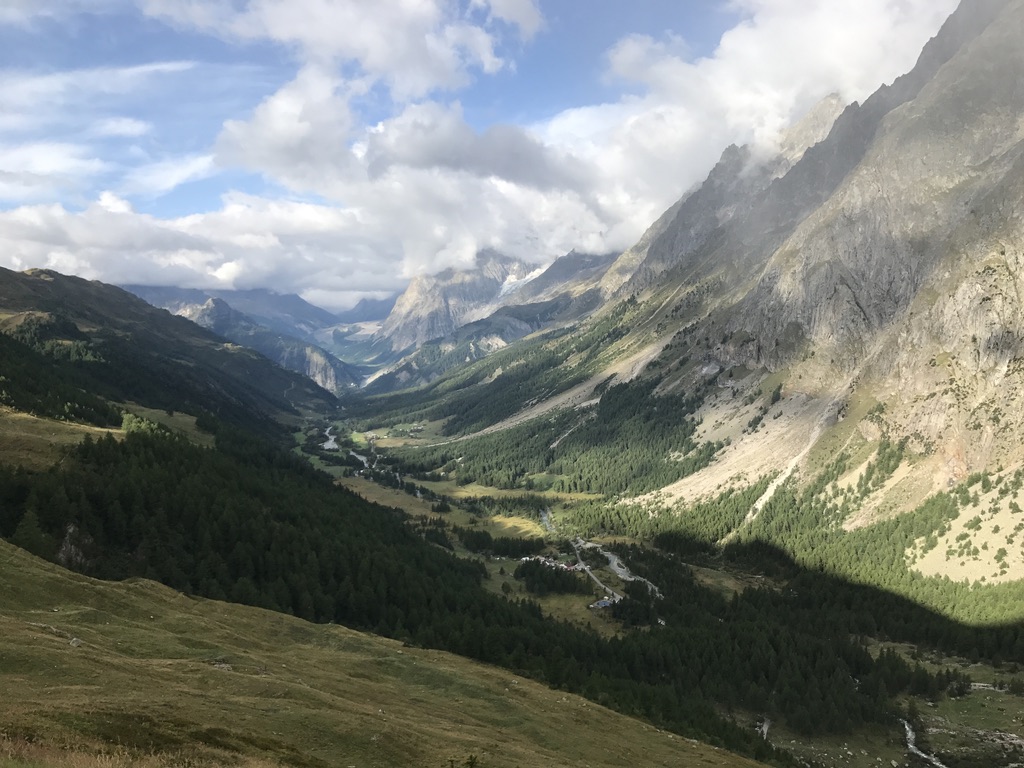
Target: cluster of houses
(551, 562)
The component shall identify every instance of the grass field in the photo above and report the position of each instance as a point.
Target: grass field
(36, 443)
(100, 674)
(182, 423)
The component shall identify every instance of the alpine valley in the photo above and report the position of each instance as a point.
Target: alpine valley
(748, 493)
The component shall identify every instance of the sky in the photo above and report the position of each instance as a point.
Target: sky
(338, 148)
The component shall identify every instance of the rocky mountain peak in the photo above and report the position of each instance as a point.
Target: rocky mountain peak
(435, 305)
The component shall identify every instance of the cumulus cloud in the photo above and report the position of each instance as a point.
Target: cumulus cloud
(250, 242)
(299, 135)
(429, 135)
(524, 14)
(414, 46)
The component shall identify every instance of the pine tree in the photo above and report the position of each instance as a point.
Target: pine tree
(30, 536)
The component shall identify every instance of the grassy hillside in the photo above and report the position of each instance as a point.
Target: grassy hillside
(105, 674)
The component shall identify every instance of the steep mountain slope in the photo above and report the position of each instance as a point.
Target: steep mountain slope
(727, 199)
(367, 311)
(103, 339)
(287, 351)
(886, 258)
(574, 274)
(905, 282)
(281, 330)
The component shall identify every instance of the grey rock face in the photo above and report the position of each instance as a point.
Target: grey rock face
(931, 193)
(435, 305)
(693, 229)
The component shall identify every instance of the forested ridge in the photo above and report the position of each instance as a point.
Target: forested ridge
(632, 442)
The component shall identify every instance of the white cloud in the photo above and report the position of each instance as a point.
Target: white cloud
(111, 202)
(298, 136)
(40, 170)
(158, 178)
(524, 14)
(433, 135)
(781, 59)
(413, 46)
(121, 127)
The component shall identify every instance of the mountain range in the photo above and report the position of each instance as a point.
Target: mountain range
(780, 436)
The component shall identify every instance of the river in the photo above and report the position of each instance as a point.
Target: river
(912, 747)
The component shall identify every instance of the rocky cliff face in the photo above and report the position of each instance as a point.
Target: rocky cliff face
(888, 257)
(920, 193)
(435, 305)
(690, 232)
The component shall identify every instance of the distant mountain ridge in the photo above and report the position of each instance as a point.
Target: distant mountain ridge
(281, 326)
(285, 313)
(288, 352)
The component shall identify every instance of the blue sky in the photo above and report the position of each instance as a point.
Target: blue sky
(336, 148)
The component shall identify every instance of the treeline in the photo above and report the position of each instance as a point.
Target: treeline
(696, 527)
(498, 546)
(807, 523)
(832, 572)
(33, 382)
(52, 369)
(793, 652)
